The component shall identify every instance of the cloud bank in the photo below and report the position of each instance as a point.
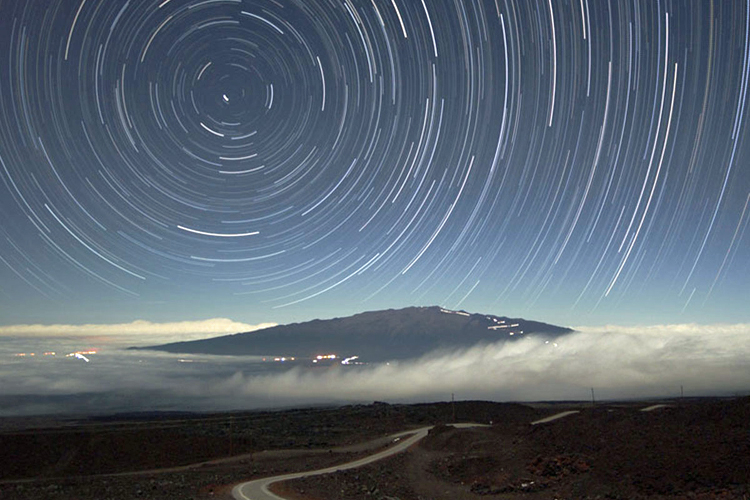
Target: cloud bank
(181, 330)
(618, 362)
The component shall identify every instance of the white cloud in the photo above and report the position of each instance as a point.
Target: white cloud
(180, 330)
(618, 362)
(674, 329)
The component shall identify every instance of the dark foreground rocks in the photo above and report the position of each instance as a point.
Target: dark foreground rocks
(696, 449)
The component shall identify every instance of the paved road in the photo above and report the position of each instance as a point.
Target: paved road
(554, 417)
(654, 407)
(258, 489)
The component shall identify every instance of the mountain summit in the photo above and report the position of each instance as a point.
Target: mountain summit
(372, 336)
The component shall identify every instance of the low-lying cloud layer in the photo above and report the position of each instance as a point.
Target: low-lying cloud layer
(618, 362)
(137, 330)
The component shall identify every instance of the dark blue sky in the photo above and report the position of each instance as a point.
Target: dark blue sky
(577, 161)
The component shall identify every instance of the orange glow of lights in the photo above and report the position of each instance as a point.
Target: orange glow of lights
(74, 354)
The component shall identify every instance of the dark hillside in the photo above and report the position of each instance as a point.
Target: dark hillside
(374, 336)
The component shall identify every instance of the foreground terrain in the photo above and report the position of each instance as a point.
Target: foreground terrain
(688, 449)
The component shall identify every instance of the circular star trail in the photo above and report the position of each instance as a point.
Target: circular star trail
(559, 156)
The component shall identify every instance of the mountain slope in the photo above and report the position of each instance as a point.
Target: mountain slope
(373, 336)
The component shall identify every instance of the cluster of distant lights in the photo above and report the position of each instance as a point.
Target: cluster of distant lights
(77, 355)
(281, 359)
(352, 360)
(332, 357)
(323, 357)
(500, 323)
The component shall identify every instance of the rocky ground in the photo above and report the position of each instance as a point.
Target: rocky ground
(693, 449)
(698, 450)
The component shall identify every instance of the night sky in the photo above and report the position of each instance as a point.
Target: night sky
(577, 162)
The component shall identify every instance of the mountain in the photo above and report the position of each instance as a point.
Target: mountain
(373, 336)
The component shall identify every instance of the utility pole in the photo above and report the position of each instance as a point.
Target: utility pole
(593, 400)
(231, 436)
(453, 406)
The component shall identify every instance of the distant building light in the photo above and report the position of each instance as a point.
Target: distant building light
(325, 356)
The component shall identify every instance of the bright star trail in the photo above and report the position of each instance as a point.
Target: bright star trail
(572, 161)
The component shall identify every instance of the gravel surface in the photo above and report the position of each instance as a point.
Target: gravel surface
(697, 450)
(100, 458)
(692, 449)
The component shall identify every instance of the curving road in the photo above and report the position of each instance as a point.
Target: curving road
(258, 488)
